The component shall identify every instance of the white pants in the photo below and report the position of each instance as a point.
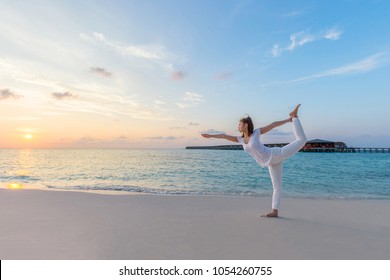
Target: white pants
(281, 154)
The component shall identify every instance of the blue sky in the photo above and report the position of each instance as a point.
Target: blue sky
(154, 74)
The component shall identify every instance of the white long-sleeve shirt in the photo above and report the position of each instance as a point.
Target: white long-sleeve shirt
(256, 148)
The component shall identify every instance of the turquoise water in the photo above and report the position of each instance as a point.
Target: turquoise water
(197, 172)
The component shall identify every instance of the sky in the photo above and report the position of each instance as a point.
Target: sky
(155, 74)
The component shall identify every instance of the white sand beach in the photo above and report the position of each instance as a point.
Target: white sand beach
(39, 224)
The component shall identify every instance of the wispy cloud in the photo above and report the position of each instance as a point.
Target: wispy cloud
(7, 94)
(178, 75)
(365, 65)
(332, 34)
(223, 76)
(146, 55)
(90, 141)
(21, 71)
(20, 118)
(301, 38)
(177, 127)
(112, 109)
(63, 95)
(213, 131)
(150, 52)
(277, 132)
(157, 104)
(101, 71)
(167, 138)
(44, 90)
(292, 14)
(190, 99)
(193, 124)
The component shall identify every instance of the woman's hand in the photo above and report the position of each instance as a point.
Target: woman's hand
(205, 135)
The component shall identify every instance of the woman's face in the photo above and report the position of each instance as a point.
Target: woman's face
(241, 127)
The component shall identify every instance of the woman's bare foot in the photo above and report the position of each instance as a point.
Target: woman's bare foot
(272, 214)
(294, 113)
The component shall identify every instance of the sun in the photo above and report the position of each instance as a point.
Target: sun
(15, 186)
(28, 136)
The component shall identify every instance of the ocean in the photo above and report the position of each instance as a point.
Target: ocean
(196, 172)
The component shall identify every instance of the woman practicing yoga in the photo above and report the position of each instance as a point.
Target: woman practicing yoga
(271, 157)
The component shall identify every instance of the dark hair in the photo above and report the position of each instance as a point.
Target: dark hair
(248, 121)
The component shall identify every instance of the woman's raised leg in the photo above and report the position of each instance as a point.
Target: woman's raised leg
(300, 137)
(300, 141)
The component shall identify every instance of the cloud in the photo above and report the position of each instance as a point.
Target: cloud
(292, 14)
(88, 139)
(276, 50)
(213, 131)
(168, 138)
(193, 124)
(122, 139)
(21, 71)
(159, 102)
(63, 95)
(149, 52)
(277, 132)
(178, 75)
(365, 65)
(177, 127)
(146, 52)
(302, 38)
(99, 37)
(223, 76)
(332, 34)
(7, 94)
(299, 39)
(145, 56)
(101, 71)
(190, 99)
(112, 108)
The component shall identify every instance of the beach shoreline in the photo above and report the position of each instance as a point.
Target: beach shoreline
(40, 224)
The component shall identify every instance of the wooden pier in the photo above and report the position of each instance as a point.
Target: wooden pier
(349, 150)
(220, 147)
(370, 150)
(346, 150)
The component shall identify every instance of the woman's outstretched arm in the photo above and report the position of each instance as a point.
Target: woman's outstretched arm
(271, 126)
(221, 136)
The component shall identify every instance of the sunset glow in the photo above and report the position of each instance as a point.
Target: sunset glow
(156, 74)
(15, 186)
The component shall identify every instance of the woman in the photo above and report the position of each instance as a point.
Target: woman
(271, 157)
